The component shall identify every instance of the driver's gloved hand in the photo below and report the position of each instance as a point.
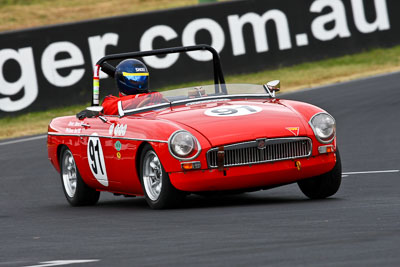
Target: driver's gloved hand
(87, 114)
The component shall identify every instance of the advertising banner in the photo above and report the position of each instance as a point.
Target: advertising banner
(52, 66)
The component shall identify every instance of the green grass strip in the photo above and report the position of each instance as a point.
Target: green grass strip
(300, 76)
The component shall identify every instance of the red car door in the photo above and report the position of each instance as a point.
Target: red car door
(122, 156)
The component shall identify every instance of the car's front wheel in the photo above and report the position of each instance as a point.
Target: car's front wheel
(324, 185)
(75, 189)
(158, 190)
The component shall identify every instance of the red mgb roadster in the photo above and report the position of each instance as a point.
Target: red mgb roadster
(220, 137)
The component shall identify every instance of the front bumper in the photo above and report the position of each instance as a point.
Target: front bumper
(253, 176)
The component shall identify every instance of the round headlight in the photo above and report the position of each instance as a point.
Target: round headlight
(324, 127)
(182, 144)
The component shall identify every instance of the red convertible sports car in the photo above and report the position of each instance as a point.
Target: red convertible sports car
(220, 137)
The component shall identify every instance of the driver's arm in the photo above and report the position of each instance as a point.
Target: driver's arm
(110, 105)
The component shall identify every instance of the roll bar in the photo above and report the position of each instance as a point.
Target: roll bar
(110, 69)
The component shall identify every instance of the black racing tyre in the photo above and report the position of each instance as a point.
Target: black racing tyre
(75, 189)
(158, 190)
(324, 185)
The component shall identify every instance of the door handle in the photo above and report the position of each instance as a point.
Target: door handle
(103, 119)
(85, 125)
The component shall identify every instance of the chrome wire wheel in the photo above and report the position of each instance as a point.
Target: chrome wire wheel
(152, 175)
(75, 189)
(69, 174)
(159, 193)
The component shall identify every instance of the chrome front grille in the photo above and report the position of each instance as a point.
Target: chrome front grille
(253, 152)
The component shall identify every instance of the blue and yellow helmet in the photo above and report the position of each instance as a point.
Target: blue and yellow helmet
(132, 77)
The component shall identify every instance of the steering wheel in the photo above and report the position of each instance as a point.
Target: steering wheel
(147, 100)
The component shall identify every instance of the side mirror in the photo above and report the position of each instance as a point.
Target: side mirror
(272, 87)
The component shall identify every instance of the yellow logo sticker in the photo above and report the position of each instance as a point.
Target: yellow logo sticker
(298, 165)
(118, 155)
(294, 130)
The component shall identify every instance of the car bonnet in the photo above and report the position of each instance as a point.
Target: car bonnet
(232, 121)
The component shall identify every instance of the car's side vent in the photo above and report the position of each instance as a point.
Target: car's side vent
(260, 151)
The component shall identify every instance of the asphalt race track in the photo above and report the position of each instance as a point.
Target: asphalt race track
(359, 226)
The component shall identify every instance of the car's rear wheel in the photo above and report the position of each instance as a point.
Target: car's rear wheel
(75, 189)
(158, 190)
(324, 185)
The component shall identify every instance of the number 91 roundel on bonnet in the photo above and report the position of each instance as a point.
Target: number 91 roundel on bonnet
(219, 137)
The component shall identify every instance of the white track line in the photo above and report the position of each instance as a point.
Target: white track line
(367, 172)
(23, 140)
(61, 262)
(45, 135)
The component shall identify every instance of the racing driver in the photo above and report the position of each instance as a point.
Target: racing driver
(132, 80)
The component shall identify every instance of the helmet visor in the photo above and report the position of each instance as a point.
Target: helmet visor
(137, 80)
